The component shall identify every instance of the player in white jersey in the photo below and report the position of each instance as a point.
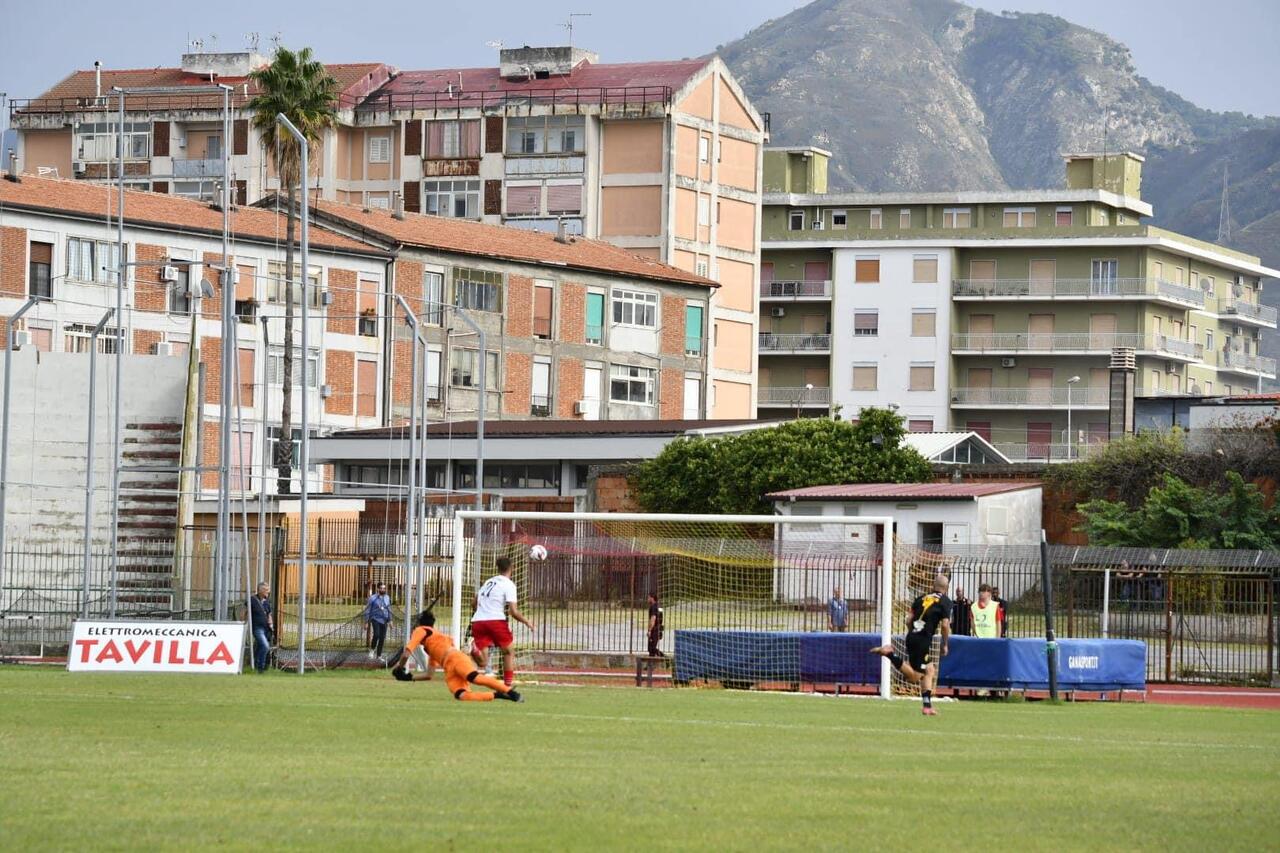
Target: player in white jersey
(495, 598)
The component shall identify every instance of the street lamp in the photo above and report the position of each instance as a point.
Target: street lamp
(1072, 381)
(802, 397)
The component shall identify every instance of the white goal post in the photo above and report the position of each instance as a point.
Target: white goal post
(481, 535)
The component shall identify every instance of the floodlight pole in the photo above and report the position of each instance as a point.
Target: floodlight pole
(262, 478)
(4, 430)
(1051, 641)
(304, 449)
(410, 510)
(89, 454)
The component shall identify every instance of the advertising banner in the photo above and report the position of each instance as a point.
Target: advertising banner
(214, 648)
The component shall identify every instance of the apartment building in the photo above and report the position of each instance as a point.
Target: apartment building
(661, 158)
(58, 243)
(995, 312)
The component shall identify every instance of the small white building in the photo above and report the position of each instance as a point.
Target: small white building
(938, 515)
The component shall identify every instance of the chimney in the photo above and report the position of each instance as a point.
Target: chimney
(562, 236)
(13, 168)
(1124, 371)
(97, 79)
(397, 203)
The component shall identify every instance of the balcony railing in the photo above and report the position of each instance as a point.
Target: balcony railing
(1055, 451)
(1177, 348)
(794, 343)
(1075, 288)
(451, 100)
(207, 168)
(1032, 397)
(540, 406)
(1250, 311)
(795, 289)
(788, 395)
(1247, 362)
(1062, 342)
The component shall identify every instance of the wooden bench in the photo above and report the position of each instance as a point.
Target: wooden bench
(645, 666)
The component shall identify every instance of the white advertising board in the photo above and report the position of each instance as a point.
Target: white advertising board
(119, 646)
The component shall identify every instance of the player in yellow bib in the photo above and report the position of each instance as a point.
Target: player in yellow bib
(986, 615)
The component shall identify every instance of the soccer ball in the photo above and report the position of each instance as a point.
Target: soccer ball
(538, 552)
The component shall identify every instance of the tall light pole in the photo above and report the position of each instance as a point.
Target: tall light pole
(803, 397)
(1070, 440)
(5, 414)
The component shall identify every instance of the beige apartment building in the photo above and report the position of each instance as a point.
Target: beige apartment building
(660, 158)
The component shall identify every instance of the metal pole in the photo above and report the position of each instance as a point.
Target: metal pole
(1069, 442)
(477, 545)
(886, 607)
(226, 398)
(4, 431)
(1106, 601)
(410, 510)
(422, 483)
(89, 454)
(1051, 641)
(305, 444)
(262, 479)
(116, 446)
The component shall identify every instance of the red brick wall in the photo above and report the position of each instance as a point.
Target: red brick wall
(150, 293)
(13, 248)
(568, 388)
(340, 373)
(519, 306)
(144, 340)
(210, 306)
(209, 438)
(573, 312)
(211, 358)
(342, 311)
(518, 385)
(672, 326)
(670, 393)
(409, 285)
(612, 493)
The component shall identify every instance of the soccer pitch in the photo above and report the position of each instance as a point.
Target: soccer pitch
(359, 760)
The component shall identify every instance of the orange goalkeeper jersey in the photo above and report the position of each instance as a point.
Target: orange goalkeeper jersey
(437, 644)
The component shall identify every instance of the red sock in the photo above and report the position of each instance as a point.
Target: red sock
(508, 676)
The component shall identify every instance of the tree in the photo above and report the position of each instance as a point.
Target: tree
(301, 88)
(732, 473)
(1177, 515)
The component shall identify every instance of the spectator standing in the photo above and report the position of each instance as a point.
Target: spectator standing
(377, 616)
(962, 615)
(1002, 611)
(837, 612)
(655, 627)
(263, 626)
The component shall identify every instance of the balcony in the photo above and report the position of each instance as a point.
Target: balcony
(1098, 343)
(1077, 289)
(793, 397)
(1243, 362)
(197, 168)
(1028, 398)
(1249, 312)
(794, 344)
(540, 406)
(794, 291)
(1033, 451)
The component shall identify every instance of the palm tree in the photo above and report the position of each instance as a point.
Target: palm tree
(302, 88)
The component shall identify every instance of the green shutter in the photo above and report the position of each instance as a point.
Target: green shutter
(693, 329)
(595, 318)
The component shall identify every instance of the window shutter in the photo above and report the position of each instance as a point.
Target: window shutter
(470, 146)
(160, 187)
(493, 135)
(246, 276)
(240, 136)
(435, 139)
(869, 321)
(564, 198)
(160, 138)
(246, 376)
(242, 193)
(41, 253)
(366, 388)
(493, 198)
(412, 198)
(367, 299)
(867, 270)
(542, 312)
(924, 270)
(413, 138)
(523, 201)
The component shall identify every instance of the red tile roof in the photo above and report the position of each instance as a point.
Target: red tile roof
(902, 491)
(498, 241)
(547, 428)
(171, 213)
(1254, 398)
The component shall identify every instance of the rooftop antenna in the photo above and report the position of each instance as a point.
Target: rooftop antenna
(568, 25)
(213, 42)
(252, 39)
(1224, 210)
(275, 39)
(496, 44)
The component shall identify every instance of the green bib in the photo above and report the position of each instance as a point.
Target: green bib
(984, 619)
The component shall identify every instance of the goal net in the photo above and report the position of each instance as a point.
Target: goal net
(764, 601)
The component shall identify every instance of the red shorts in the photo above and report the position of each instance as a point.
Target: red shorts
(491, 632)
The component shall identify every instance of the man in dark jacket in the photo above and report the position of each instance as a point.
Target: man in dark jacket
(263, 626)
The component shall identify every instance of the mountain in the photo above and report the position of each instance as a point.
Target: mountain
(936, 95)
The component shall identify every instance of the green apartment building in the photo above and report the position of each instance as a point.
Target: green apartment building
(996, 312)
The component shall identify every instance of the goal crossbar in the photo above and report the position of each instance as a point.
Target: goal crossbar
(887, 556)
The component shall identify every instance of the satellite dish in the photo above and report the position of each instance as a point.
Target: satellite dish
(1206, 285)
(1237, 290)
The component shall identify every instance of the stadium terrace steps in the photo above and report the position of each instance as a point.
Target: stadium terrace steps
(148, 515)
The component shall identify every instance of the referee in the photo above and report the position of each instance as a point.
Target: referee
(929, 613)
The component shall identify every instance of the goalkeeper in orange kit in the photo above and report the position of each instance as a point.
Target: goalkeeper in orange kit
(460, 671)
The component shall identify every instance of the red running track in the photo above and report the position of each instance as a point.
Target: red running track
(1207, 694)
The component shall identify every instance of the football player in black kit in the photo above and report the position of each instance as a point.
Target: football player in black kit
(929, 612)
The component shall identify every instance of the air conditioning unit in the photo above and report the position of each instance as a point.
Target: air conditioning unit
(778, 312)
(1170, 367)
(580, 407)
(326, 391)
(163, 348)
(168, 273)
(326, 297)
(21, 338)
(78, 167)
(1008, 362)
(818, 225)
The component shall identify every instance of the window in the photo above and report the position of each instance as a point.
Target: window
(1157, 270)
(866, 324)
(540, 396)
(247, 376)
(452, 199)
(546, 135)
(433, 375)
(920, 425)
(924, 323)
(39, 277)
(957, 217)
(924, 269)
(77, 336)
(693, 330)
(273, 438)
(634, 308)
(276, 284)
(795, 220)
(839, 219)
(1102, 276)
(180, 291)
(1208, 340)
(275, 367)
(876, 220)
(628, 384)
(433, 293)
(451, 140)
(1207, 284)
(982, 270)
(380, 149)
(866, 270)
(904, 218)
(564, 197)
(704, 149)
(92, 260)
(921, 377)
(864, 377)
(1062, 217)
(511, 475)
(478, 290)
(96, 141)
(524, 199)
(542, 305)
(1019, 217)
(464, 369)
(704, 209)
(594, 332)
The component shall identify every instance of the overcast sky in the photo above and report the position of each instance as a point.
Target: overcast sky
(1218, 54)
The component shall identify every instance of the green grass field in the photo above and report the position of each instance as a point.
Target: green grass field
(361, 761)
